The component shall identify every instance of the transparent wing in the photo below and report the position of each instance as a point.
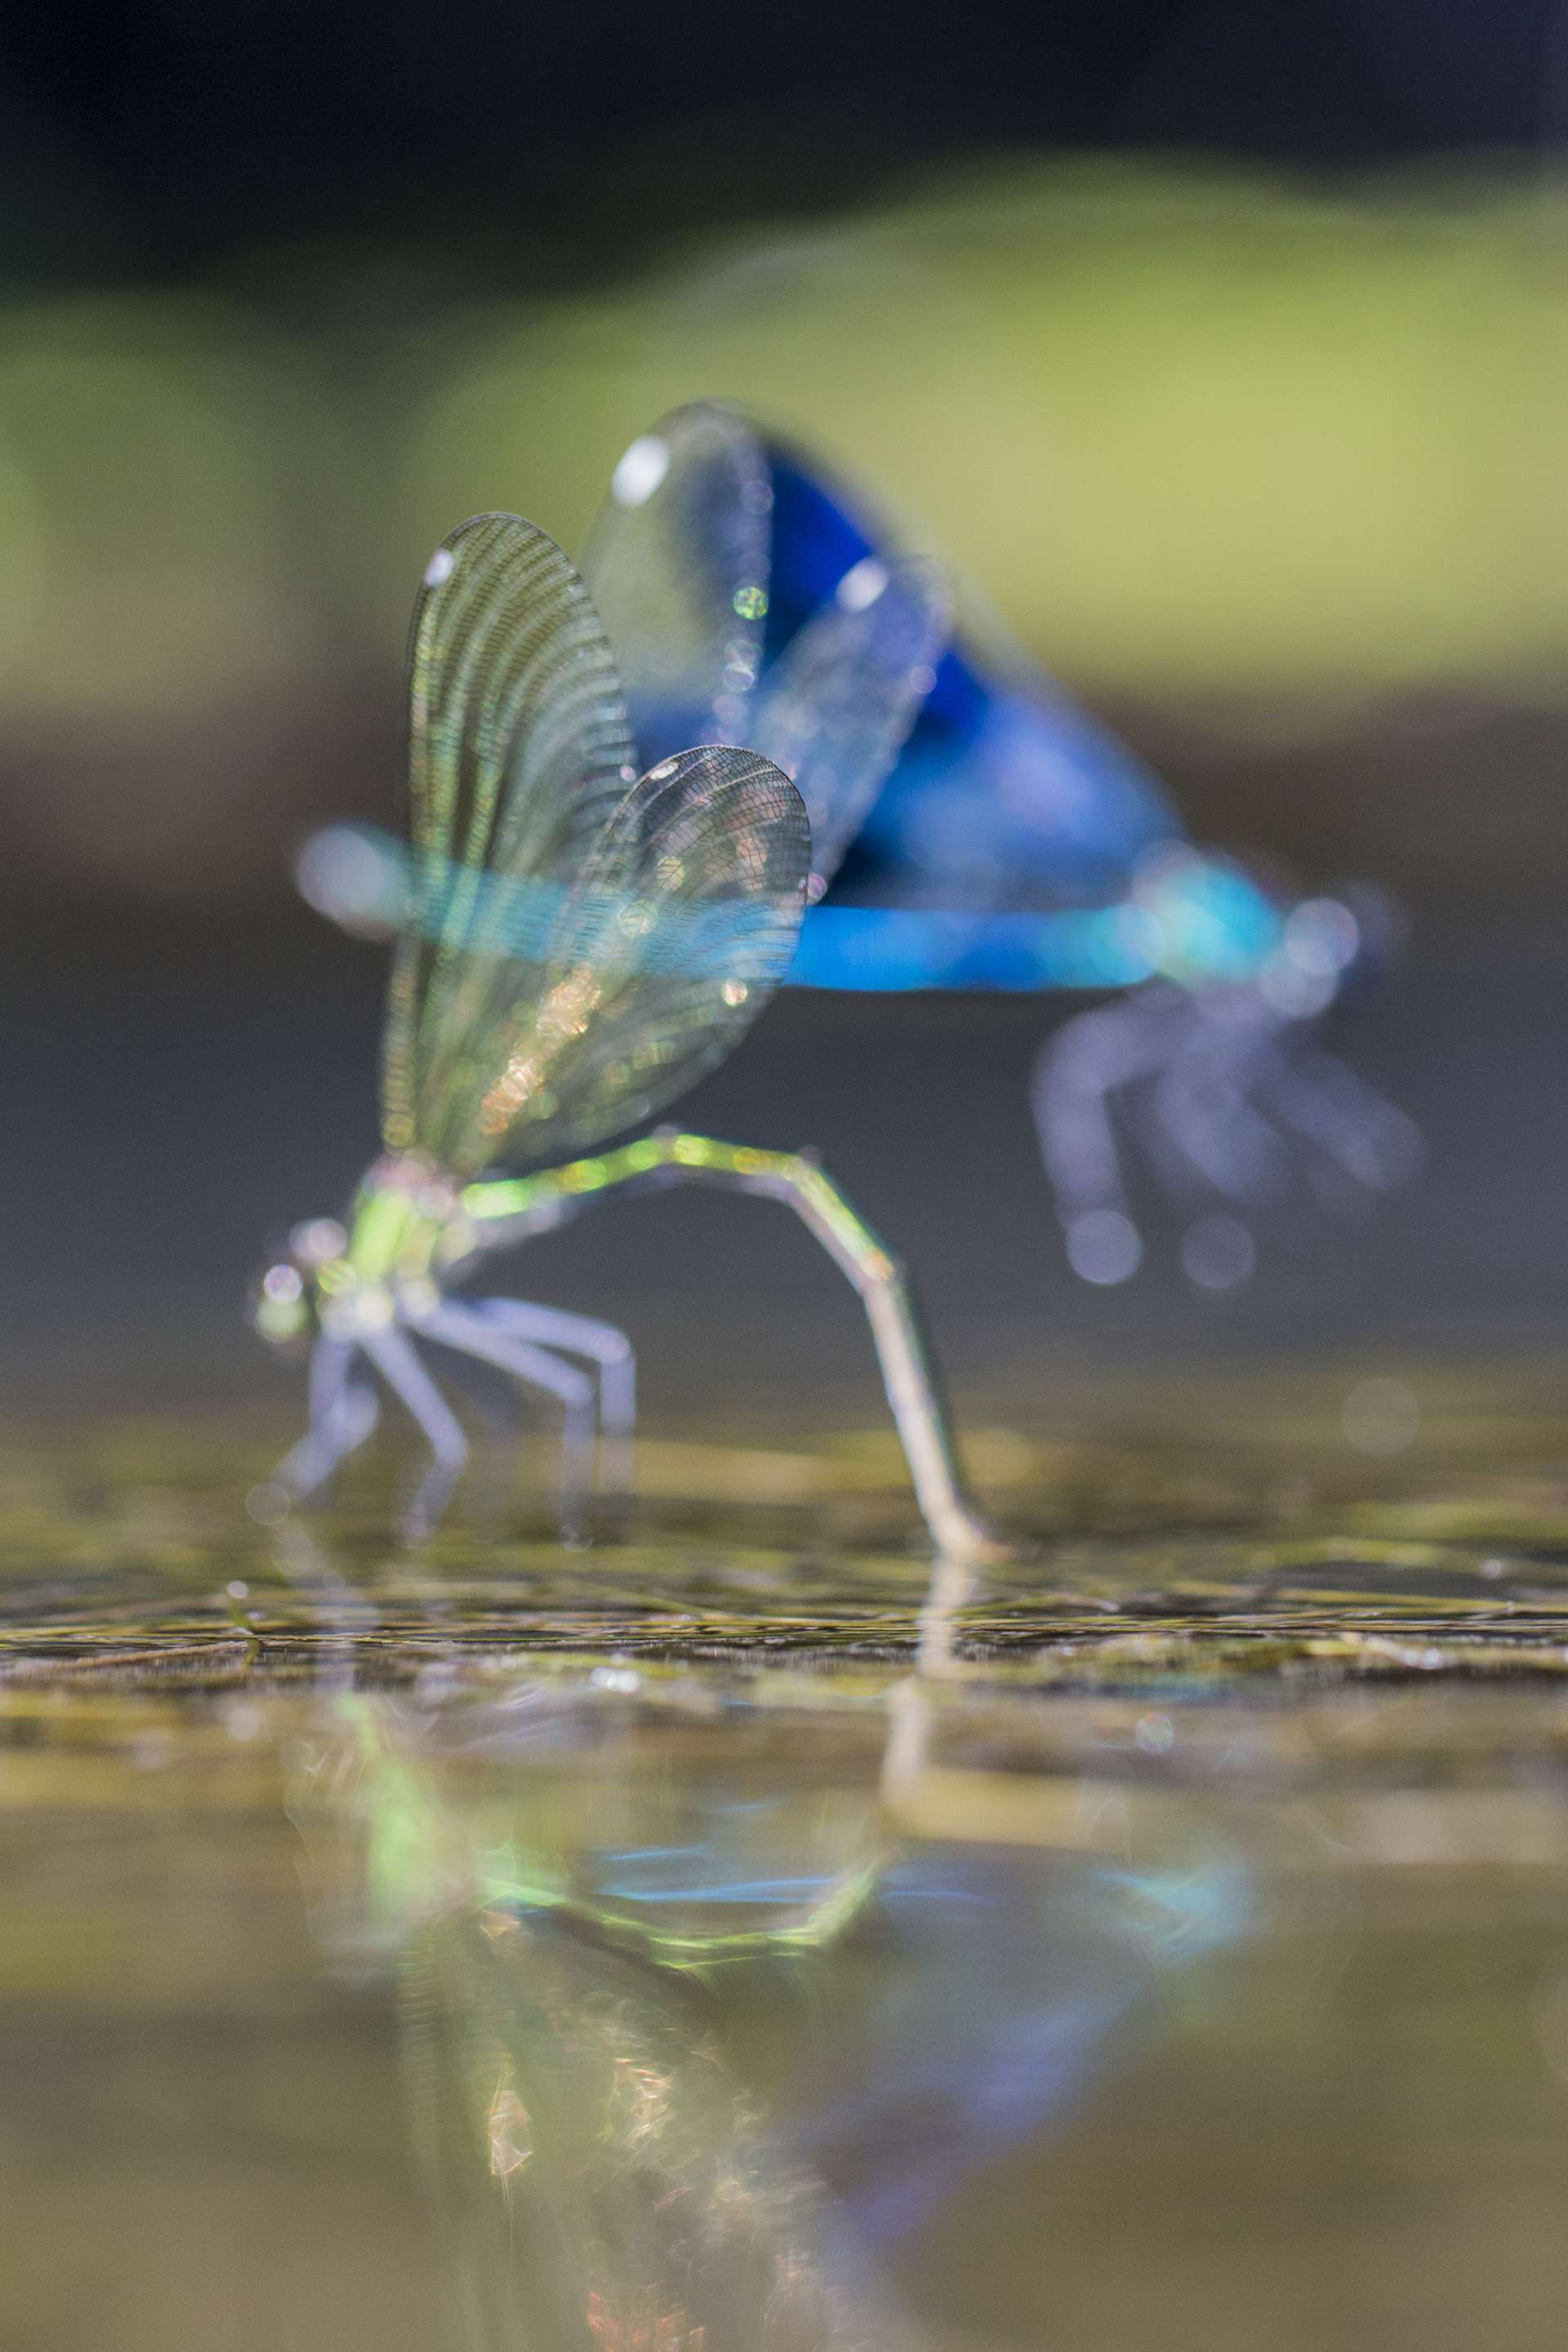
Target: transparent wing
(837, 707)
(679, 567)
(519, 750)
(636, 966)
(600, 2178)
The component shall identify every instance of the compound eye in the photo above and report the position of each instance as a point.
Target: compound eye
(282, 1311)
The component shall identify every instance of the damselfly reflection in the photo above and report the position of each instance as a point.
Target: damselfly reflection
(973, 829)
(583, 2045)
(1010, 1991)
(660, 912)
(603, 2175)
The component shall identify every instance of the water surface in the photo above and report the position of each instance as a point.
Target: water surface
(724, 1936)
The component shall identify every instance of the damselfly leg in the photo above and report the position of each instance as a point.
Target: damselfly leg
(533, 1203)
(1357, 1129)
(470, 1332)
(1224, 1096)
(396, 1359)
(583, 1335)
(344, 1412)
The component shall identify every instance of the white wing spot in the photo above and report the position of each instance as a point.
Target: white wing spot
(441, 566)
(642, 468)
(862, 585)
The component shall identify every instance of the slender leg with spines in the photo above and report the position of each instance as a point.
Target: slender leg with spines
(345, 1411)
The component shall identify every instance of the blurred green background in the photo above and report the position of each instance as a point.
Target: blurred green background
(1220, 345)
(1267, 470)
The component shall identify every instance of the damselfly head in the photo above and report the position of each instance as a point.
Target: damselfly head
(283, 1305)
(285, 1299)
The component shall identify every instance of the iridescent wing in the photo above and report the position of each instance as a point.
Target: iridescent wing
(659, 914)
(837, 707)
(518, 751)
(678, 564)
(682, 564)
(675, 929)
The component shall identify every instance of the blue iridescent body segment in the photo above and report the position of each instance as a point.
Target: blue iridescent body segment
(980, 831)
(1189, 919)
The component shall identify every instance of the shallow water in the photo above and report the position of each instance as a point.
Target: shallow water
(725, 1938)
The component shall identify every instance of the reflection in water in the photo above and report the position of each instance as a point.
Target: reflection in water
(603, 2177)
(587, 1914)
(1175, 1961)
(1006, 1993)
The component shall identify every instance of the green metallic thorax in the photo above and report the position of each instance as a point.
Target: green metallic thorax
(400, 1213)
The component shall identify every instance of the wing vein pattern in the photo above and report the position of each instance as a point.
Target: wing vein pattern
(661, 911)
